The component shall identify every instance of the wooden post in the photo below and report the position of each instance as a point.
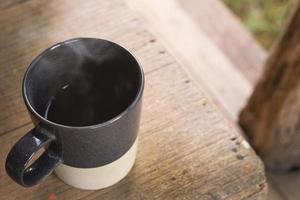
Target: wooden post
(271, 118)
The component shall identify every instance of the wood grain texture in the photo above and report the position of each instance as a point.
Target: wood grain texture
(186, 148)
(285, 185)
(201, 59)
(11, 3)
(224, 31)
(228, 34)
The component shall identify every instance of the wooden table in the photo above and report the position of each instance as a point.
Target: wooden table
(186, 149)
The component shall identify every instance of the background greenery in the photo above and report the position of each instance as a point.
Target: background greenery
(264, 18)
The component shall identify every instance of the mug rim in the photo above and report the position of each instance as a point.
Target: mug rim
(94, 126)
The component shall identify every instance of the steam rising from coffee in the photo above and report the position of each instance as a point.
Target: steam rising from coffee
(88, 82)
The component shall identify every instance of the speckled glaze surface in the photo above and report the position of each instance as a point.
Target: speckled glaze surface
(98, 177)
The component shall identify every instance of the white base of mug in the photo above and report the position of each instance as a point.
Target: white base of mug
(98, 177)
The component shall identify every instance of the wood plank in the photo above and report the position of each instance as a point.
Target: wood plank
(248, 54)
(228, 34)
(241, 51)
(202, 60)
(162, 171)
(178, 136)
(245, 54)
(248, 57)
(8, 4)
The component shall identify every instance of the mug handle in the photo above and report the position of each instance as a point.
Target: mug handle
(23, 151)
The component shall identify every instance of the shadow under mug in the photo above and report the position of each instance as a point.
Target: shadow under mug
(84, 97)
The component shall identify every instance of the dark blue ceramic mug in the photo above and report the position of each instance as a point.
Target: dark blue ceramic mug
(84, 96)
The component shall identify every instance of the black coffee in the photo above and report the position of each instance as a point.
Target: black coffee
(92, 96)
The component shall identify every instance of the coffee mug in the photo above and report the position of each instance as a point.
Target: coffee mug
(84, 97)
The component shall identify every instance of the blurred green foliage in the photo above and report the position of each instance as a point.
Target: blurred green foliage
(264, 18)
